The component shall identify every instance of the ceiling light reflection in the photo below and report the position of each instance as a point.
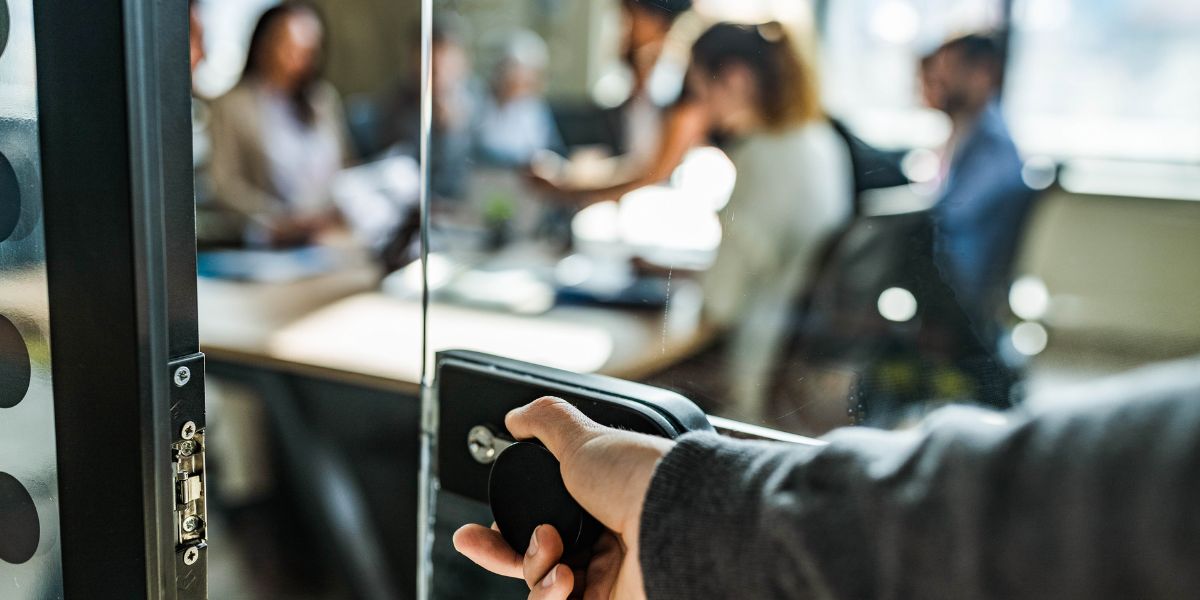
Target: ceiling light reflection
(897, 305)
(1039, 172)
(1029, 298)
(1029, 338)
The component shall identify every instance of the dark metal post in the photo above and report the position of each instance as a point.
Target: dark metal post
(120, 240)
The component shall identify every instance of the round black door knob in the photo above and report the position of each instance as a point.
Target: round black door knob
(526, 490)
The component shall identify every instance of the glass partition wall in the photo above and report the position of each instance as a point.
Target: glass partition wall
(589, 204)
(30, 550)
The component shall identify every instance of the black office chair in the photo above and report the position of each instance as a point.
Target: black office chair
(899, 369)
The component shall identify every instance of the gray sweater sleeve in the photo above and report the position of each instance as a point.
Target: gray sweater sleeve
(1096, 497)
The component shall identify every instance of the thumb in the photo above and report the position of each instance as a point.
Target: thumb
(562, 428)
(607, 471)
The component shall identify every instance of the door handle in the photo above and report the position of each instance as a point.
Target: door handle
(521, 481)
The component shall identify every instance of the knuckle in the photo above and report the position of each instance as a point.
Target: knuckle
(548, 403)
(549, 408)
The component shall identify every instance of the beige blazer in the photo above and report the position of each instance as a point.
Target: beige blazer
(240, 171)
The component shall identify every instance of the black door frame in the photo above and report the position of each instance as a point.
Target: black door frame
(114, 104)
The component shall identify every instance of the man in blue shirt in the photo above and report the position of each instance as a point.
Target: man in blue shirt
(984, 201)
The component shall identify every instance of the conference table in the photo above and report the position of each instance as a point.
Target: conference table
(340, 326)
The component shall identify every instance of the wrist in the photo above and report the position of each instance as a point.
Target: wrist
(651, 453)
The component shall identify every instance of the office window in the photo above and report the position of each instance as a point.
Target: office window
(870, 53)
(1111, 79)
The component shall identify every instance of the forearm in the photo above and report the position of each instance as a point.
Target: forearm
(684, 129)
(1094, 501)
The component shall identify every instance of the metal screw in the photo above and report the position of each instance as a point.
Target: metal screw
(182, 376)
(187, 448)
(190, 556)
(189, 430)
(192, 524)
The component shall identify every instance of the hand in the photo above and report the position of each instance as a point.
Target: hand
(555, 191)
(608, 472)
(301, 230)
(549, 187)
(289, 232)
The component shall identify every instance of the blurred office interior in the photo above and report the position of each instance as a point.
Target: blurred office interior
(582, 181)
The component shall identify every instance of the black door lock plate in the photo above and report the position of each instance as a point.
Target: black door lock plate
(477, 458)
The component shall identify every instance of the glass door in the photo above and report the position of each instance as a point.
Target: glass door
(588, 209)
(567, 222)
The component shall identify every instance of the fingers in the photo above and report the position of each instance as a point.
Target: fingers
(547, 580)
(604, 567)
(556, 585)
(545, 550)
(558, 425)
(486, 548)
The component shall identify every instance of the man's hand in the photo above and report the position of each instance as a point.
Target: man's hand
(608, 472)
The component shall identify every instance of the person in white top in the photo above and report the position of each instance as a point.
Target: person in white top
(794, 191)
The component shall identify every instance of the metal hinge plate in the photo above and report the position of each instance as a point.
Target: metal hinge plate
(187, 464)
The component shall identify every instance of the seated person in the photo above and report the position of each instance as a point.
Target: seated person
(514, 121)
(279, 137)
(983, 201)
(794, 190)
(455, 99)
(657, 131)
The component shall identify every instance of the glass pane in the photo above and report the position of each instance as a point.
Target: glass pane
(592, 207)
(30, 559)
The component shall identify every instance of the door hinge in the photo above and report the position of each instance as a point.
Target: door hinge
(190, 519)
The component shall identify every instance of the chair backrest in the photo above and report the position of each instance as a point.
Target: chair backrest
(839, 325)
(873, 168)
